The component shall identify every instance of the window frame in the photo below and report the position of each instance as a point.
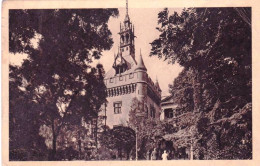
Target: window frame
(111, 80)
(117, 107)
(131, 75)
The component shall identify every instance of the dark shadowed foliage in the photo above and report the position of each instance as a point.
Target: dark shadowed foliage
(55, 86)
(214, 47)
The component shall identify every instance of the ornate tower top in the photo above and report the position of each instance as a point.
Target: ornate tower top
(127, 36)
(125, 58)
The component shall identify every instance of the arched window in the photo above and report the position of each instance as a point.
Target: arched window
(127, 38)
(122, 39)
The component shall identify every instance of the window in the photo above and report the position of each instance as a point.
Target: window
(120, 78)
(126, 48)
(117, 107)
(93, 132)
(111, 80)
(152, 111)
(168, 113)
(122, 39)
(131, 75)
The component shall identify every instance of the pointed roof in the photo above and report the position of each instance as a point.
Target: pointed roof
(127, 19)
(120, 58)
(140, 63)
(157, 84)
(127, 16)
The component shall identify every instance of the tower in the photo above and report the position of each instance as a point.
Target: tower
(127, 36)
(141, 86)
(128, 79)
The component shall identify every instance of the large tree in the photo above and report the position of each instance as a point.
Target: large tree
(119, 138)
(149, 130)
(215, 45)
(57, 72)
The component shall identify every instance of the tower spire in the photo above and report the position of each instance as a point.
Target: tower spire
(126, 7)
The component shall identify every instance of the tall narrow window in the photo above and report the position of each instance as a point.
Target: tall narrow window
(152, 111)
(147, 113)
(131, 75)
(111, 80)
(168, 113)
(117, 107)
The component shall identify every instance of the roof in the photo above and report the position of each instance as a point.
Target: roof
(167, 99)
(127, 18)
(131, 65)
(140, 64)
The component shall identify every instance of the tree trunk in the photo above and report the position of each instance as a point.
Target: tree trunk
(197, 90)
(54, 140)
(127, 154)
(79, 144)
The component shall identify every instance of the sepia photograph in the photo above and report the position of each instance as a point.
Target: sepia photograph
(130, 84)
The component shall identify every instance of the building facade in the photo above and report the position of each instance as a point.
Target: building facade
(169, 109)
(128, 79)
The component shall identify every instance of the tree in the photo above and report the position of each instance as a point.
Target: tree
(182, 91)
(58, 74)
(215, 45)
(150, 131)
(120, 138)
(24, 142)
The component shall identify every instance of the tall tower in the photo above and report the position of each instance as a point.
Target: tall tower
(128, 79)
(127, 36)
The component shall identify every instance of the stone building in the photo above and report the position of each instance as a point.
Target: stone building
(169, 109)
(128, 79)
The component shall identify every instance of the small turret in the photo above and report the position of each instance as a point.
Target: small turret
(140, 63)
(157, 85)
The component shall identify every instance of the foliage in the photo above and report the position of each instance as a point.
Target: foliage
(57, 74)
(120, 138)
(214, 47)
(24, 142)
(149, 130)
(182, 91)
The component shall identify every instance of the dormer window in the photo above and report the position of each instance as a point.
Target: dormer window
(111, 80)
(131, 75)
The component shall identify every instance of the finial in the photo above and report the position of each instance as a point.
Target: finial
(140, 52)
(126, 7)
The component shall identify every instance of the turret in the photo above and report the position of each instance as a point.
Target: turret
(141, 87)
(140, 64)
(158, 87)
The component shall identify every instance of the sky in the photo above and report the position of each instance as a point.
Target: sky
(145, 23)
